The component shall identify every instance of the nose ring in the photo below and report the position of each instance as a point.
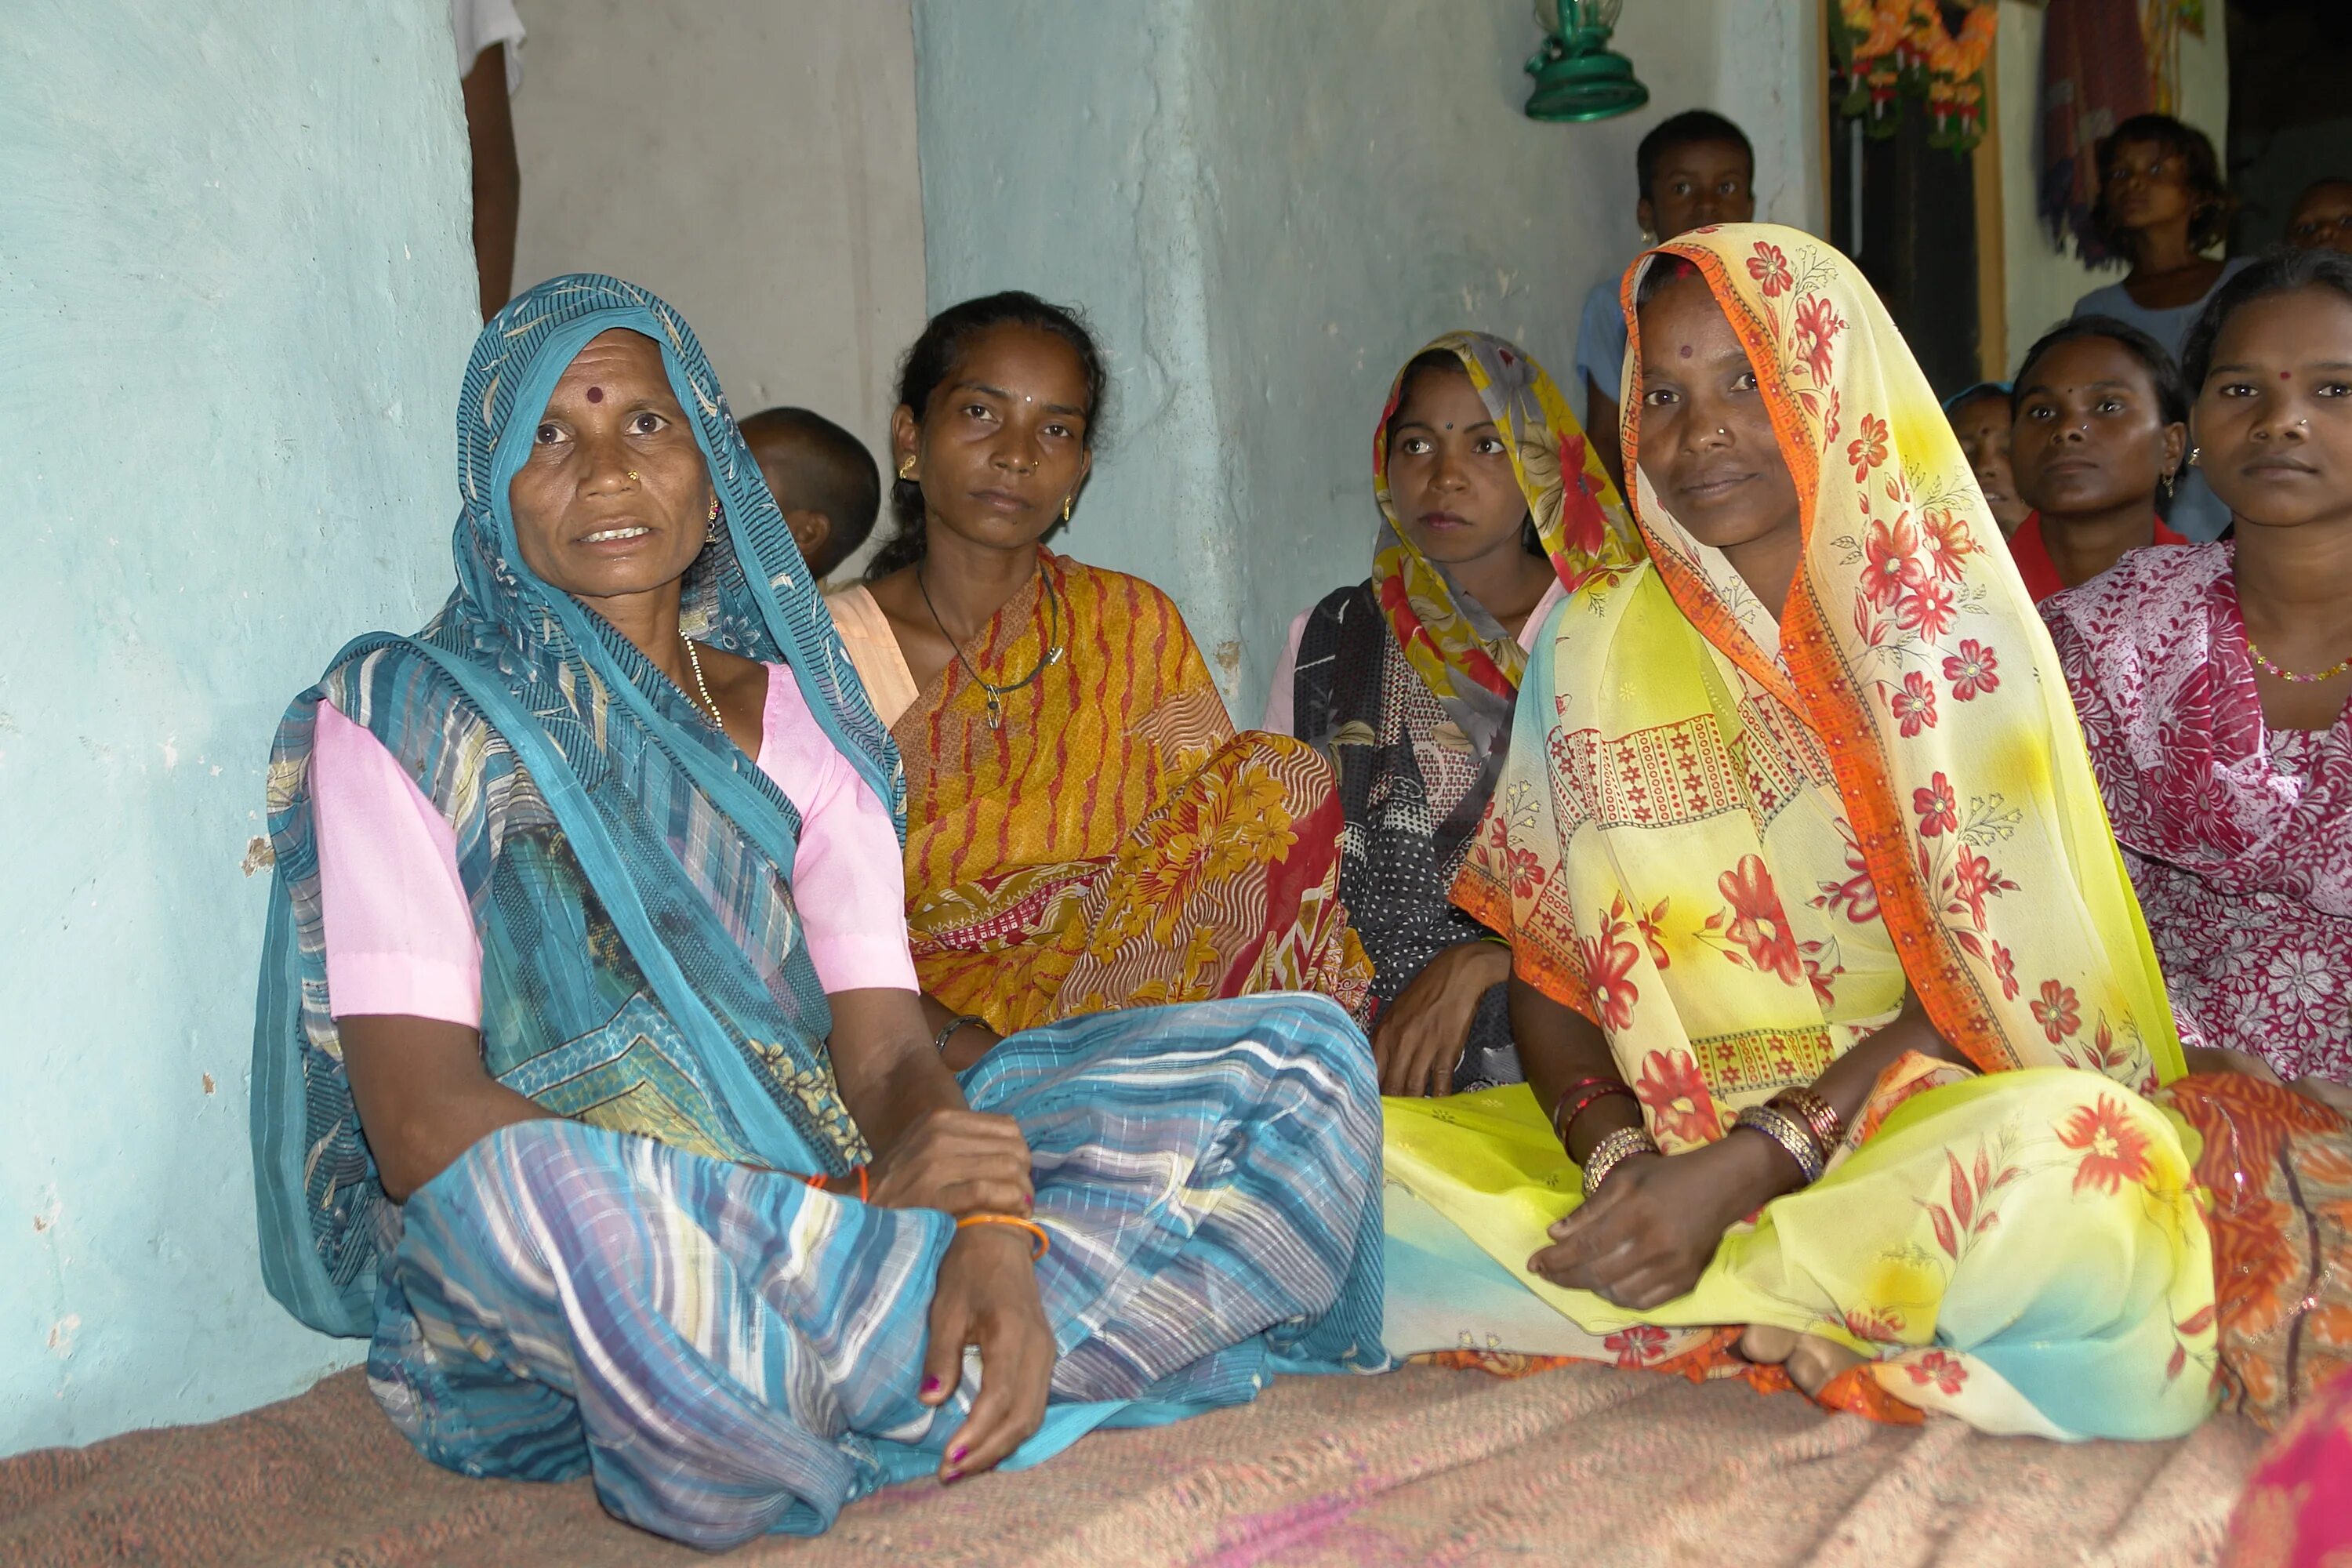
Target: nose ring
(633, 473)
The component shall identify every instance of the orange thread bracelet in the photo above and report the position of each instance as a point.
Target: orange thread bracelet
(1037, 1232)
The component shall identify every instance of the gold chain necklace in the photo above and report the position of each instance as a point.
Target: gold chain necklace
(2291, 677)
(694, 662)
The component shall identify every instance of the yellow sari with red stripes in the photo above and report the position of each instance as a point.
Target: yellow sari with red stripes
(1110, 841)
(1734, 842)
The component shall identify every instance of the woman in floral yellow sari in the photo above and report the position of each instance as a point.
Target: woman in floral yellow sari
(1849, 1059)
(1084, 831)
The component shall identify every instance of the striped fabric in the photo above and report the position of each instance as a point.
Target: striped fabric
(729, 1351)
(618, 1291)
(1105, 840)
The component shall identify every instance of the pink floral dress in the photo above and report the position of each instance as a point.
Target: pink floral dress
(2239, 837)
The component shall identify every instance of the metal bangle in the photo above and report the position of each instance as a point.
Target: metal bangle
(939, 1041)
(1613, 1152)
(1812, 1107)
(1790, 1134)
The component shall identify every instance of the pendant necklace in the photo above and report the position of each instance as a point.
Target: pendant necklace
(1053, 654)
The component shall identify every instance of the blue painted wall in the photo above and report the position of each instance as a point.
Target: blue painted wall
(234, 298)
(1267, 208)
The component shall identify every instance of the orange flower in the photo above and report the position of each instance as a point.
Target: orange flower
(1608, 966)
(2056, 1009)
(1637, 1345)
(2114, 1151)
(1675, 1093)
(1868, 450)
(1758, 922)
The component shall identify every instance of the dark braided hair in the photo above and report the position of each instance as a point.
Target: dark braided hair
(932, 360)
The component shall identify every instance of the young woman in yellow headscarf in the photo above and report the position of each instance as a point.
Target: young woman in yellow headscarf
(1841, 1023)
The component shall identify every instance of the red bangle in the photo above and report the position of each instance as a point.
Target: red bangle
(1580, 1097)
(1812, 1107)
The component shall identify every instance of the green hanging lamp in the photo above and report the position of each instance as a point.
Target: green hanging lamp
(1578, 76)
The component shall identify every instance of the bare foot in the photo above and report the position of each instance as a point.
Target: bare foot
(1811, 1362)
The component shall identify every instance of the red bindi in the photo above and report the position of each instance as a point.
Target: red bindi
(595, 394)
(1686, 350)
(2282, 376)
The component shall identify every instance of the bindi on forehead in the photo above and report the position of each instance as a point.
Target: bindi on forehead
(595, 394)
(1684, 351)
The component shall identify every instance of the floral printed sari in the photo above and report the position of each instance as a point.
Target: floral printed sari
(1737, 843)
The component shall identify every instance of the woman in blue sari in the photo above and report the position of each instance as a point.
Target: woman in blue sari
(633, 1164)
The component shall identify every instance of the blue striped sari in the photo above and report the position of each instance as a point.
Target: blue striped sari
(646, 1290)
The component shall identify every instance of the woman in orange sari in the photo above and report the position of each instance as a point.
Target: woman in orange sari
(1084, 831)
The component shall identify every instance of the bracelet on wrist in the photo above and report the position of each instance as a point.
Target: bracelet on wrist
(1812, 1107)
(1613, 1152)
(1582, 1096)
(961, 1020)
(1793, 1136)
(1037, 1232)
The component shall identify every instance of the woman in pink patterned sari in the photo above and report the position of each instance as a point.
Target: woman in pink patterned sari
(2212, 682)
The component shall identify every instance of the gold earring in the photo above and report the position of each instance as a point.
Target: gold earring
(1067, 502)
(907, 467)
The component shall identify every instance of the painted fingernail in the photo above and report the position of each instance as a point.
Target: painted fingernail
(955, 1454)
(931, 1385)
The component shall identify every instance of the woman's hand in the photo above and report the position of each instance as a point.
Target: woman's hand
(1654, 1227)
(987, 1296)
(965, 1161)
(1420, 1037)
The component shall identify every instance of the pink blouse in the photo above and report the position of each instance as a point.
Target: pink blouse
(399, 937)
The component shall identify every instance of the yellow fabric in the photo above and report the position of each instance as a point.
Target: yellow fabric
(1111, 842)
(1733, 843)
(2024, 1250)
(1715, 834)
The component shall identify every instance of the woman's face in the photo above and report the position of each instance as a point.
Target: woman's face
(2147, 185)
(1706, 437)
(2090, 436)
(1983, 426)
(1003, 443)
(2322, 218)
(614, 498)
(1450, 478)
(2274, 415)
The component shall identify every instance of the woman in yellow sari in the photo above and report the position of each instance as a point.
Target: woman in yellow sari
(1849, 1059)
(1084, 831)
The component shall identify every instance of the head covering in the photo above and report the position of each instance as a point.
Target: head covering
(628, 867)
(1737, 841)
(1459, 650)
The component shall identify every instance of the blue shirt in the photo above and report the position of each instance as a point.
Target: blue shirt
(1601, 343)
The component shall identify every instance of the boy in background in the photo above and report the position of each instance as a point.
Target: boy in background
(1692, 170)
(822, 478)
